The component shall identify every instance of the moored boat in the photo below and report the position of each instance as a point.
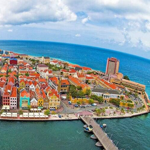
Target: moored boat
(93, 137)
(98, 144)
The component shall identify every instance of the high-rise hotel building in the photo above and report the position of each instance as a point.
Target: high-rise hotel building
(112, 67)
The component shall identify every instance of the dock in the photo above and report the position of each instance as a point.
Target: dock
(103, 138)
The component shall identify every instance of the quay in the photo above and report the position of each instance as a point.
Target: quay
(103, 138)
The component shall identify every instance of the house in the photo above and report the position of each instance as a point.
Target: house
(45, 100)
(45, 60)
(4, 68)
(11, 81)
(33, 99)
(81, 76)
(77, 82)
(13, 98)
(41, 67)
(54, 99)
(32, 87)
(63, 86)
(24, 99)
(22, 84)
(53, 82)
(13, 61)
(34, 103)
(6, 96)
(39, 97)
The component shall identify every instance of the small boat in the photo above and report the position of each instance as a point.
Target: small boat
(104, 125)
(85, 126)
(88, 129)
(93, 137)
(98, 144)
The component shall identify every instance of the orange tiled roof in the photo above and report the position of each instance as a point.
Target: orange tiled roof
(54, 80)
(65, 82)
(78, 82)
(86, 68)
(24, 93)
(14, 92)
(53, 92)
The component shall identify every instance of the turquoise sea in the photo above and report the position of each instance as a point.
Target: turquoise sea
(129, 134)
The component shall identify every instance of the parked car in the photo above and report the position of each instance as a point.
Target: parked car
(59, 116)
(69, 102)
(88, 105)
(82, 106)
(94, 104)
(76, 105)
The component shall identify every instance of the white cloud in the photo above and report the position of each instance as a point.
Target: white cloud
(10, 30)
(77, 35)
(34, 11)
(84, 20)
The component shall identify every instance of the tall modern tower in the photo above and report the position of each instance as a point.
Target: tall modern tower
(112, 66)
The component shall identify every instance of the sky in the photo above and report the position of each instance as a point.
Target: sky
(122, 25)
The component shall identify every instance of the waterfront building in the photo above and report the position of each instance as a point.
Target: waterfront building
(39, 97)
(6, 96)
(54, 99)
(34, 103)
(45, 100)
(41, 67)
(24, 99)
(112, 66)
(13, 98)
(133, 86)
(33, 99)
(107, 94)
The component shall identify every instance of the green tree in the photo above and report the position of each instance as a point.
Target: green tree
(98, 111)
(47, 112)
(27, 74)
(9, 71)
(29, 107)
(91, 101)
(79, 87)
(78, 103)
(126, 77)
(88, 92)
(100, 99)
(20, 112)
(115, 102)
(80, 94)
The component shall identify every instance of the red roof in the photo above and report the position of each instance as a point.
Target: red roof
(54, 80)
(86, 68)
(78, 82)
(53, 92)
(65, 82)
(14, 92)
(24, 93)
(72, 71)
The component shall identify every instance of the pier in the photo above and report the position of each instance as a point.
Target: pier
(103, 138)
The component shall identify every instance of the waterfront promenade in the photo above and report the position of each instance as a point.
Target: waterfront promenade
(65, 117)
(103, 138)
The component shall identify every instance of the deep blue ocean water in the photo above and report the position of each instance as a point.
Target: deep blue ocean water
(132, 133)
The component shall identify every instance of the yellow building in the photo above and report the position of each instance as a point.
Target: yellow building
(127, 103)
(40, 102)
(81, 100)
(22, 84)
(54, 99)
